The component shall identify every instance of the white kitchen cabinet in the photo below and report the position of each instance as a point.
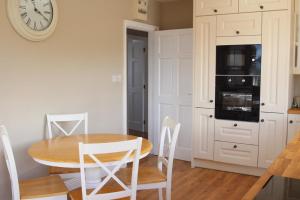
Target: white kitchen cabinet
(275, 62)
(262, 5)
(236, 131)
(239, 154)
(205, 61)
(213, 7)
(244, 24)
(203, 133)
(293, 126)
(272, 137)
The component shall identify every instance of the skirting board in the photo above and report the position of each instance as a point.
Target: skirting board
(227, 167)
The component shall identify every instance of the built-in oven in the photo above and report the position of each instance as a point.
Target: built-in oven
(238, 82)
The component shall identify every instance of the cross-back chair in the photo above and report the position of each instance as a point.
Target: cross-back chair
(48, 188)
(110, 187)
(154, 177)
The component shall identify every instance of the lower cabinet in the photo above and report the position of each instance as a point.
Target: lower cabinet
(203, 133)
(272, 138)
(293, 126)
(240, 154)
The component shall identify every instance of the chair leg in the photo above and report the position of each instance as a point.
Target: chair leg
(160, 194)
(168, 193)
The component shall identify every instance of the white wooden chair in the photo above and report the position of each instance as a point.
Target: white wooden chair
(110, 187)
(47, 188)
(71, 176)
(152, 177)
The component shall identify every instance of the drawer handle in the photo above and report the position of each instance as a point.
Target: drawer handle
(263, 104)
(210, 116)
(291, 121)
(235, 125)
(235, 146)
(237, 32)
(262, 120)
(211, 101)
(215, 10)
(261, 7)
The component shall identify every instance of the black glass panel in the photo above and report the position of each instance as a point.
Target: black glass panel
(280, 188)
(239, 60)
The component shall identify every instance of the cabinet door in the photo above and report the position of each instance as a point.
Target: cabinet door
(272, 138)
(205, 62)
(213, 7)
(239, 24)
(275, 65)
(203, 133)
(262, 5)
(293, 126)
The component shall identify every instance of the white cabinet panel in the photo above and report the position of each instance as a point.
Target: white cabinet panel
(205, 61)
(293, 126)
(203, 133)
(272, 138)
(239, 154)
(239, 132)
(262, 5)
(213, 7)
(275, 64)
(239, 24)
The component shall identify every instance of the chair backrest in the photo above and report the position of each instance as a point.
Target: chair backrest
(131, 150)
(55, 119)
(170, 130)
(10, 162)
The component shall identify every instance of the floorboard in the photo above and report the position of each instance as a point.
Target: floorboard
(198, 184)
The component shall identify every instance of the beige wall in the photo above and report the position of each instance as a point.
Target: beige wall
(68, 73)
(176, 15)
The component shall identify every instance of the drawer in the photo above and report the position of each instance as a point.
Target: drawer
(262, 5)
(240, 154)
(245, 24)
(239, 132)
(213, 7)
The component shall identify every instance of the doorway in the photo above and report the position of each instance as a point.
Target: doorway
(137, 83)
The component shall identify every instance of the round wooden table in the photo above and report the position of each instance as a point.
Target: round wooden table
(63, 151)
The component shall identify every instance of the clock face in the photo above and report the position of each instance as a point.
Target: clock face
(36, 14)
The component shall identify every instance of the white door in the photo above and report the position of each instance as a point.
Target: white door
(205, 61)
(213, 7)
(203, 133)
(137, 82)
(262, 5)
(173, 85)
(272, 138)
(293, 127)
(275, 62)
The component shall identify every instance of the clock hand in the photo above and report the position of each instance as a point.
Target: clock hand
(40, 13)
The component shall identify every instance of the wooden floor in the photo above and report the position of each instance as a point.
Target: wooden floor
(198, 184)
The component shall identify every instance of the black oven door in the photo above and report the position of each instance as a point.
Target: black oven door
(238, 98)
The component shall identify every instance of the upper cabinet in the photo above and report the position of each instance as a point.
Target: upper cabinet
(262, 5)
(239, 24)
(275, 62)
(205, 61)
(213, 7)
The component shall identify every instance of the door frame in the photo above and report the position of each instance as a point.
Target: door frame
(128, 24)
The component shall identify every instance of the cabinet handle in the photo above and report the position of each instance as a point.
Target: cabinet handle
(291, 121)
(262, 120)
(211, 101)
(296, 56)
(263, 104)
(261, 7)
(215, 10)
(237, 32)
(235, 146)
(210, 116)
(235, 125)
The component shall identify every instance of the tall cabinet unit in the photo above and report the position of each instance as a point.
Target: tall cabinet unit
(243, 147)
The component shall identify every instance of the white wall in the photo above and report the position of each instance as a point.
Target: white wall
(68, 73)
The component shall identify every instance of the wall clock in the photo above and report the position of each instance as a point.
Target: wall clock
(34, 20)
(141, 9)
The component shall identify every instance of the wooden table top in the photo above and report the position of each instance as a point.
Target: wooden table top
(295, 111)
(287, 164)
(63, 151)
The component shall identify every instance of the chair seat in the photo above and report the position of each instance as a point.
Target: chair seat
(147, 175)
(60, 170)
(109, 188)
(50, 186)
